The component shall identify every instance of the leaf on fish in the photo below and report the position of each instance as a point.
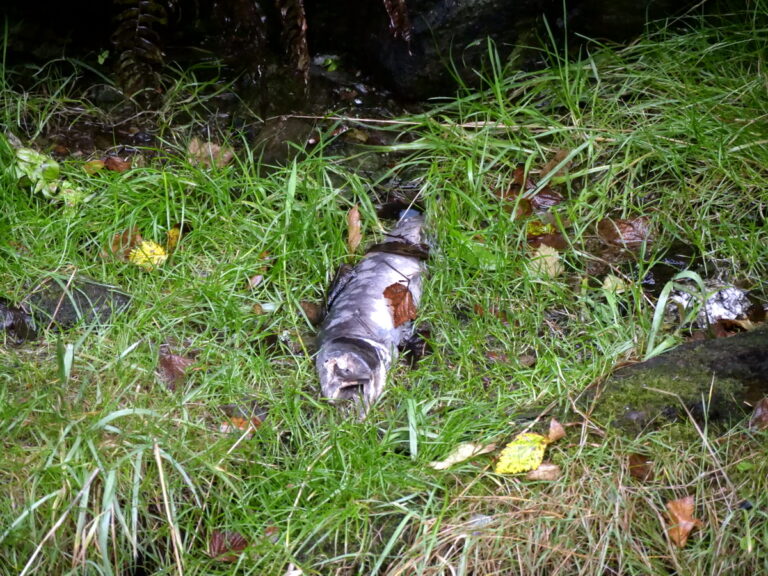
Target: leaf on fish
(354, 229)
(401, 301)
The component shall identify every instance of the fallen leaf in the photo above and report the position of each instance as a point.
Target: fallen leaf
(539, 228)
(555, 240)
(759, 418)
(681, 520)
(640, 467)
(174, 234)
(556, 431)
(354, 233)
(208, 154)
(553, 162)
(116, 164)
(524, 453)
(624, 232)
(122, 243)
(312, 311)
(225, 546)
(612, 283)
(401, 301)
(245, 416)
(546, 471)
(172, 368)
(545, 261)
(462, 452)
(238, 424)
(545, 199)
(93, 166)
(148, 255)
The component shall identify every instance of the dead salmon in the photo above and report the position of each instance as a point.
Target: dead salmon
(370, 311)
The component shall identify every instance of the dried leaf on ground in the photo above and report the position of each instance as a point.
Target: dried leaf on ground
(462, 452)
(556, 431)
(555, 240)
(245, 416)
(553, 163)
(175, 234)
(624, 232)
(640, 467)
(117, 164)
(172, 368)
(208, 154)
(759, 418)
(545, 199)
(312, 311)
(124, 242)
(546, 471)
(225, 546)
(612, 283)
(354, 229)
(681, 520)
(524, 453)
(148, 255)
(401, 301)
(93, 166)
(545, 262)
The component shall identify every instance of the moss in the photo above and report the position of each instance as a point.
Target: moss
(709, 379)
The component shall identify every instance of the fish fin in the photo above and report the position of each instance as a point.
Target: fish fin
(343, 275)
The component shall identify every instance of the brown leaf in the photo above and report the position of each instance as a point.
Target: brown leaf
(354, 233)
(681, 520)
(208, 154)
(559, 156)
(401, 301)
(172, 368)
(545, 199)
(124, 242)
(93, 166)
(313, 312)
(555, 240)
(640, 467)
(546, 471)
(624, 232)
(556, 431)
(225, 546)
(759, 418)
(116, 164)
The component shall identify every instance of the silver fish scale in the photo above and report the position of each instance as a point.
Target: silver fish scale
(358, 339)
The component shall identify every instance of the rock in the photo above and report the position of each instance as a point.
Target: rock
(63, 301)
(715, 380)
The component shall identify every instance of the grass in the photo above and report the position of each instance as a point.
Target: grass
(106, 471)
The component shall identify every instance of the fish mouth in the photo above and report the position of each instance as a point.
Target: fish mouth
(352, 389)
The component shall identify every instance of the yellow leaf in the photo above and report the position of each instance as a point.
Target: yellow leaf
(148, 255)
(524, 453)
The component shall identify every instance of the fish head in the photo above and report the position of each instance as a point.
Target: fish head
(351, 369)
